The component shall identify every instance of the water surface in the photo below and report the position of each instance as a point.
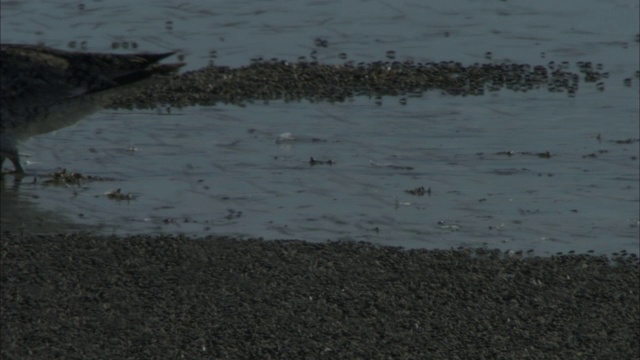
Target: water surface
(245, 170)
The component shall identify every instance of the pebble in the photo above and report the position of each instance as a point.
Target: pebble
(266, 80)
(85, 296)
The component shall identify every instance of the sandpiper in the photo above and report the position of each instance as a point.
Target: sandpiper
(44, 89)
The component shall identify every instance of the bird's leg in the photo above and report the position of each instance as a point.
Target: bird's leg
(9, 149)
(16, 164)
(15, 160)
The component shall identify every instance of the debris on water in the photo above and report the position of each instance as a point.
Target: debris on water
(390, 166)
(118, 195)
(419, 191)
(62, 177)
(314, 162)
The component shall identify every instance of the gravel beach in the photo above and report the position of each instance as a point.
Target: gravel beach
(89, 297)
(79, 296)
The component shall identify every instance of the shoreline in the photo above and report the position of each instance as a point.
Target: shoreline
(166, 296)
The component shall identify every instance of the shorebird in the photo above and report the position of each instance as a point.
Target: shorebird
(44, 89)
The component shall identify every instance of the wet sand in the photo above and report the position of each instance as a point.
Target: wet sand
(80, 296)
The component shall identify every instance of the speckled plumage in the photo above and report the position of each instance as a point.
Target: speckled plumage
(44, 89)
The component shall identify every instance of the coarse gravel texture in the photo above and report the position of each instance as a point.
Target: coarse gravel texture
(89, 297)
(268, 80)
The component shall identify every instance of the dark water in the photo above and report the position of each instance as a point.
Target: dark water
(245, 171)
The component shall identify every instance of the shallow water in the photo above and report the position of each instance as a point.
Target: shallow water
(245, 170)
